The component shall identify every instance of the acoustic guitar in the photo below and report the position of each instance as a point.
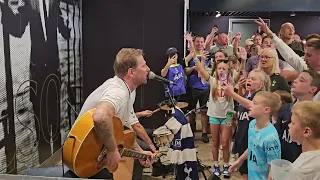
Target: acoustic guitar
(85, 154)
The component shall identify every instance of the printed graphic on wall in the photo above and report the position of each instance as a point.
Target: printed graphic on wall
(40, 79)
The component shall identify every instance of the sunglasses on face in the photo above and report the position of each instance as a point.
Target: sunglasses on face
(224, 61)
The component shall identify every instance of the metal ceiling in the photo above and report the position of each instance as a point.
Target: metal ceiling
(254, 14)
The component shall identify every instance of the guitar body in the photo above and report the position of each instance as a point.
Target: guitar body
(83, 147)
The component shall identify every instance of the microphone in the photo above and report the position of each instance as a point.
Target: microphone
(152, 75)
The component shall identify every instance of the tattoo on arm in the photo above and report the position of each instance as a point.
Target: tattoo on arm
(103, 125)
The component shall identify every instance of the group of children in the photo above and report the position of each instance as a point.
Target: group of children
(269, 125)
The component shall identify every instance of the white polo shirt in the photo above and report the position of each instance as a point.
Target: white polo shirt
(116, 92)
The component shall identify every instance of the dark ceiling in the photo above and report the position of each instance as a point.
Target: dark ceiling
(254, 14)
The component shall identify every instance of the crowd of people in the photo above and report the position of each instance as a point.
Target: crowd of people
(271, 85)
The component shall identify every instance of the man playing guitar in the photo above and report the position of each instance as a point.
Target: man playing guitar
(115, 97)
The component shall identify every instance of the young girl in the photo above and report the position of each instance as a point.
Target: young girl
(257, 80)
(218, 106)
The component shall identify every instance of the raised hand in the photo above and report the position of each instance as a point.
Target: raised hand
(227, 88)
(242, 53)
(242, 82)
(188, 36)
(204, 55)
(214, 30)
(263, 26)
(172, 60)
(237, 37)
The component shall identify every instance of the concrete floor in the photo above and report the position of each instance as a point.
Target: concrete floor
(205, 156)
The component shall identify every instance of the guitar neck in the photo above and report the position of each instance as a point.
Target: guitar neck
(134, 154)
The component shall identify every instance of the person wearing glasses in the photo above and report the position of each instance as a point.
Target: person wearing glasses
(269, 63)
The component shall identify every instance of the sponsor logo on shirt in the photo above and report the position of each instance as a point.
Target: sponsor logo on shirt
(273, 148)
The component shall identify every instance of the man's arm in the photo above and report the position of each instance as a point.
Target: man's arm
(286, 52)
(145, 113)
(103, 125)
(136, 147)
(188, 70)
(202, 71)
(141, 132)
(289, 75)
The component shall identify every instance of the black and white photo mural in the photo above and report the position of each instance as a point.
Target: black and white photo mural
(40, 79)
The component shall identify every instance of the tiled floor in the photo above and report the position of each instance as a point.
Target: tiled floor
(205, 156)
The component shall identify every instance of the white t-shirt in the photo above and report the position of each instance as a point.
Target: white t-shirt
(116, 92)
(287, 66)
(306, 166)
(218, 108)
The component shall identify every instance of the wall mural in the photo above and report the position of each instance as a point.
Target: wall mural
(40, 79)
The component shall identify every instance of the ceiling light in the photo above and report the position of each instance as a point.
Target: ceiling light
(218, 14)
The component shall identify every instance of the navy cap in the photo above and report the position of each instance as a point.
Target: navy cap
(171, 50)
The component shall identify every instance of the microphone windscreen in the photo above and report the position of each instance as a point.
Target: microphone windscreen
(151, 75)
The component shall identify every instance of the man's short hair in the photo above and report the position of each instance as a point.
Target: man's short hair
(313, 36)
(198, 36)
(308, 113)
(270, 100)
(314, 44)
(125, 59)
(315, 79)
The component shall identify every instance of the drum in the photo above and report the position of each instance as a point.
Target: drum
(162, 136)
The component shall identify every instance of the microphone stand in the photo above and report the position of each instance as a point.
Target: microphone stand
(167, 90)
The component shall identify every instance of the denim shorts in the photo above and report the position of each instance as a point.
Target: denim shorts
(213, 120)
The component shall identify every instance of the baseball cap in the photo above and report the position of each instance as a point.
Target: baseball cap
(171, 50)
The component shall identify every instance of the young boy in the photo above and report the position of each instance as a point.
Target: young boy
(263, 139)
(305, 129)
(304, 88)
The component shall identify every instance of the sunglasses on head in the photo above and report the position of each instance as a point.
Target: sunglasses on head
(224, 61)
